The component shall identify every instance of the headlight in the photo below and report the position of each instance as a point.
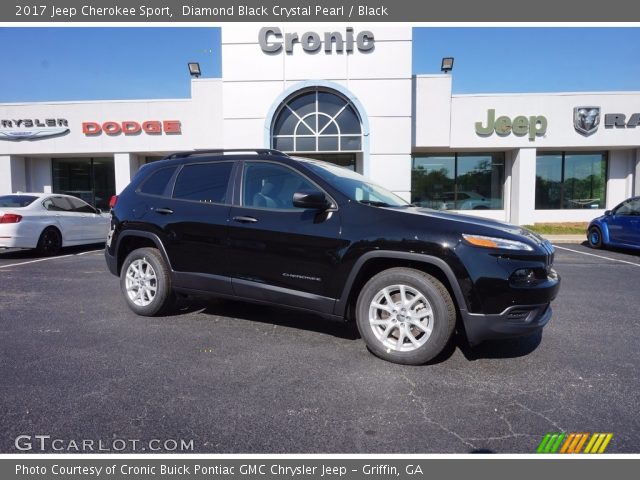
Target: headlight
(493, 242)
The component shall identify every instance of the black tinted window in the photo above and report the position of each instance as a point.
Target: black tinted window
(204, 182)
(16, 200)
(267, 185)
(630, 207)
(157, 181)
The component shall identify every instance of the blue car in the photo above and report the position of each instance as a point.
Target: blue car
(619, 227)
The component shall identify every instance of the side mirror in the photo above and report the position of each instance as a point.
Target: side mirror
(607, 212)
(98, 211)
(311, 199)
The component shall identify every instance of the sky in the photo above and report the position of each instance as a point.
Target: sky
(58, 63)
(65, 63)
(520, 60)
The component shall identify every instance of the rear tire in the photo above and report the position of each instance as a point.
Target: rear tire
(405, 316)
(50, 242)
(145, 282)
(594, 237)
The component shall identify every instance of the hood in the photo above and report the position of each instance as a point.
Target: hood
(601, 218)
(471, 224)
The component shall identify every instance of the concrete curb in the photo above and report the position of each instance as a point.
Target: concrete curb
(566, 238)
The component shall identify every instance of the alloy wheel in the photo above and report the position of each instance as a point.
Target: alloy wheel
(141, 282)
(401, 318)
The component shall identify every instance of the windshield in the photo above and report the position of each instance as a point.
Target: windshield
(16, 201)
(356, 187)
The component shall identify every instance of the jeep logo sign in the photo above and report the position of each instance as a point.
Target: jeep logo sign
(272, 40)
(533, 126)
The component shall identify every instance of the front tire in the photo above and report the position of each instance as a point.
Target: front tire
(594, 237)
(145, 282)
(405, 316)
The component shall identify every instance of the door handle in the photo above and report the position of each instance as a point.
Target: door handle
(163, 211)
(245, 219)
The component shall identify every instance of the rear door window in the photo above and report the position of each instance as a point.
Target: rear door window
(203, 182)
(157, 182)
(57, 204)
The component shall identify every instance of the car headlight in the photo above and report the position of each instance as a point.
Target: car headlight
(494, 242)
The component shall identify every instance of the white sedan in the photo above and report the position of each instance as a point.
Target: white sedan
(49, 221)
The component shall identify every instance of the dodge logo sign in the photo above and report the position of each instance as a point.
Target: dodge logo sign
(129, 127)
(586, 119)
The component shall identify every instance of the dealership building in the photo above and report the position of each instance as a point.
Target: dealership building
(348, 96)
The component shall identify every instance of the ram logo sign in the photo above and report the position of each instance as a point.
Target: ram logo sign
(586, 119)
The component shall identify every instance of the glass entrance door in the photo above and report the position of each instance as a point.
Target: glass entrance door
(90, 179)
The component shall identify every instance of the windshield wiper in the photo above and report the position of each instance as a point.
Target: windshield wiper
(375, 203)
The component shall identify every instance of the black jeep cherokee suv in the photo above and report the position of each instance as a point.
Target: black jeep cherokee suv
(265, 227)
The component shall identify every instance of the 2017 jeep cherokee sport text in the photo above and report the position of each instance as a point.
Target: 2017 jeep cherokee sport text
(265, 227)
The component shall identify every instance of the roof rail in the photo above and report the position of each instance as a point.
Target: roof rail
(221, 151)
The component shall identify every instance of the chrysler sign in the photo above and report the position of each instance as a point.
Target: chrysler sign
(32, 128)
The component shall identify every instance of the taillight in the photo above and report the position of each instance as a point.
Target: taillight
(10, 218)
(113, 200)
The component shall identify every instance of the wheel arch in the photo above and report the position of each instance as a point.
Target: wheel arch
(131, 240)
(56, 227)
(604, 231)
(372, 263)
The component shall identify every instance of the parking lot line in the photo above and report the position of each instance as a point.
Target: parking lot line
(48, 258)
(599, 256)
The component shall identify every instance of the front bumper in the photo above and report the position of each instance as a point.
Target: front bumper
(515, 321)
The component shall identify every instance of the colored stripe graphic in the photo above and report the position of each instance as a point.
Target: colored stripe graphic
(574, 442)
(550, 443)
(598, 443)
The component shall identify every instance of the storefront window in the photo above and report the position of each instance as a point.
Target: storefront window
(463, 181)
(90, 179)
(569, 180)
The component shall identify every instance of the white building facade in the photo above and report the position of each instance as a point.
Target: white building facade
(348, 96)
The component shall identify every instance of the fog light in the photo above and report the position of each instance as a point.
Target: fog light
(524, 276)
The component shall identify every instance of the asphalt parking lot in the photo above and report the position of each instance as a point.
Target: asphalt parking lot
(230, 377)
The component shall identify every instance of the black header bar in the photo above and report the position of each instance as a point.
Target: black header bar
(181, 11)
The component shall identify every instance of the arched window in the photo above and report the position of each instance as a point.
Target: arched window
(317, 120)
